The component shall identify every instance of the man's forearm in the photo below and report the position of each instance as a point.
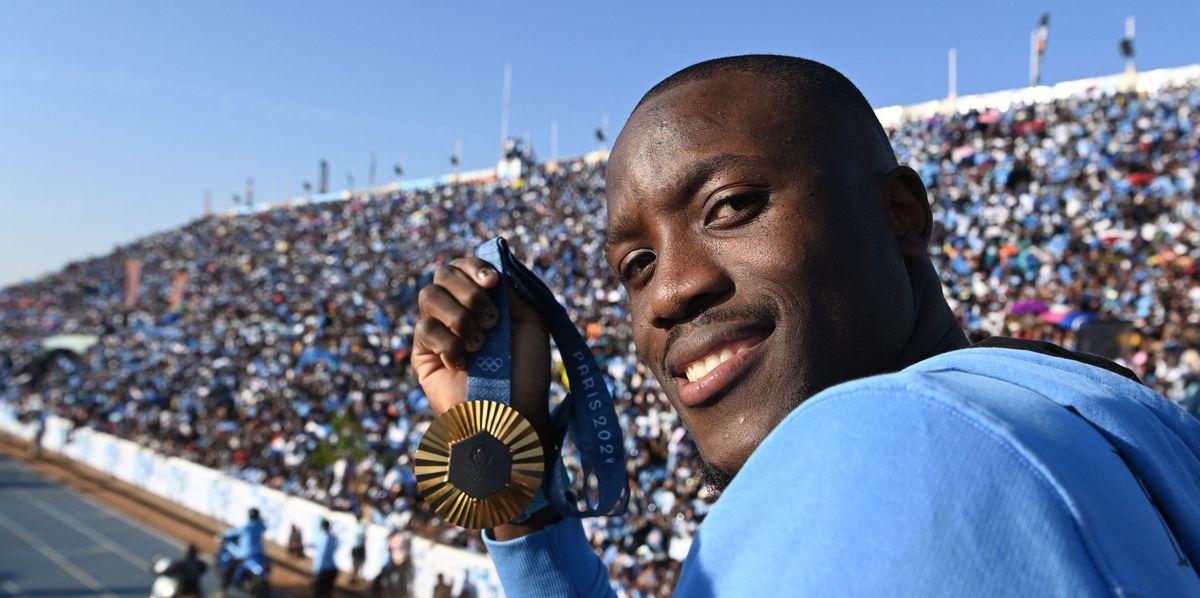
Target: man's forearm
(554, 561)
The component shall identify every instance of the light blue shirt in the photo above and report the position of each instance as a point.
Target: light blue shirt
(981, 472)
(249, 540)
(324, 548)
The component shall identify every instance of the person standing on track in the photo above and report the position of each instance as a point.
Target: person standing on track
(443, 588)
(188, 571)
(245, 542)
(396, 575)
(358, 550)
(324, 570)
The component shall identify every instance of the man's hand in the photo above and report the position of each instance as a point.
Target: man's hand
(456, 313)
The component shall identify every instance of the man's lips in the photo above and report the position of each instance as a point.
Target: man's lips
(706, 362)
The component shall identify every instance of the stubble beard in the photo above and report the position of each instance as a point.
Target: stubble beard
(713, 477)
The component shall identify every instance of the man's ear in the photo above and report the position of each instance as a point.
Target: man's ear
(908, 210)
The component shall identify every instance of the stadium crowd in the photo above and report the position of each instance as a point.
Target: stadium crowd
(286, 361)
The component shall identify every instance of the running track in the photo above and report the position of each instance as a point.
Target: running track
(55, 542)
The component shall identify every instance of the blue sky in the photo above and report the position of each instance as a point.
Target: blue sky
(116, 116)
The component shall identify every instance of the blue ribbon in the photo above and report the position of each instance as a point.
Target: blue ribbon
(587, 412)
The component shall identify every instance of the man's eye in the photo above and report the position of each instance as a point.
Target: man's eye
(736, 209)
(635, 264)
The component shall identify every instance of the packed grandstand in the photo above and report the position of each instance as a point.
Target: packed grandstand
(274, 345)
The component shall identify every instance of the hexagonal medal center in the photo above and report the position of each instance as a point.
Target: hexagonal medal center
(480, 465)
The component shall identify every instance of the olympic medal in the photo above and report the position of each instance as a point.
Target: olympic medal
(480, 464)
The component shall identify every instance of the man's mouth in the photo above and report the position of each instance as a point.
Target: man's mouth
(715, 361)
(697, 370)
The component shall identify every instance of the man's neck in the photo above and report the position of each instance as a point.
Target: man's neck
(935, 329)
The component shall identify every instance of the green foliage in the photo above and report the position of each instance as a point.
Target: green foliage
(346, 440)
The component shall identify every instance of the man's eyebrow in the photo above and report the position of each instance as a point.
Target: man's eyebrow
(700, 172)
(696, 175)
(621, 231)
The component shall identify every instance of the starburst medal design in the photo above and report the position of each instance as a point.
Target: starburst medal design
(479, 464)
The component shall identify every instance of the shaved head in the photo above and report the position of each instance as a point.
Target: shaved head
(799, 79)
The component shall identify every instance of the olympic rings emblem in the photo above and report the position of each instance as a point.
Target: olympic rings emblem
(489, 364)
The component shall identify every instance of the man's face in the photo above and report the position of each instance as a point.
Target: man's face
(754, 244)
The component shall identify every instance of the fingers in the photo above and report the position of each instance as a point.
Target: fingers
(467, 280)
(439, 304)
(478, 270)
(434, 337)
(457, 310)
(483, 274)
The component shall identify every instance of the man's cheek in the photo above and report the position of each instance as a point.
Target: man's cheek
(643, 340)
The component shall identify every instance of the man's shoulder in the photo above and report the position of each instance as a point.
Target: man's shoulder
(900, 481)
(1038, 413)
(995, 389)
(963, 392)
(998, 396)
(945, 421)
(981, 448)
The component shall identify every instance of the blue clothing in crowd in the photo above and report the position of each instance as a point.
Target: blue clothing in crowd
(980, 472)
(323, 550)
(249, 539)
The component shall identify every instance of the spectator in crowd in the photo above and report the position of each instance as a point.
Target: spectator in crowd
(244, 543)
(295, 547)
(442, 589)
(395, 579)
(358, 550)
(323, 568)
(188, 572)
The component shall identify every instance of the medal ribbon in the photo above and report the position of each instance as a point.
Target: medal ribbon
(587, 412)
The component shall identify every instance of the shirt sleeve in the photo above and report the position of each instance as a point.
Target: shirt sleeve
(556, 562)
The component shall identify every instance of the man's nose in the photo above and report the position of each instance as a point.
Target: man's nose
(688, 279)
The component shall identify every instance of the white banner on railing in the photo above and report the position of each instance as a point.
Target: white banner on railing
(227, 499)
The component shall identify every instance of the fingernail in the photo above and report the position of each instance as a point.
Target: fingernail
(490, 315)
(484, 273)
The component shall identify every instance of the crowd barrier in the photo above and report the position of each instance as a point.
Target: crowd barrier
(227, 499)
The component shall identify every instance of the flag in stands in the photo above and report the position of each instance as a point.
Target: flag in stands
(133, 282)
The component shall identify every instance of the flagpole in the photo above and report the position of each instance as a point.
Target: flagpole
(604, 127)
(953, 73)
(1033, 58)
(504, 111)
(1130, 64)
(458, 151)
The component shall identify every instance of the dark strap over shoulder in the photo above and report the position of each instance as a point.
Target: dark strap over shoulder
(1045, 348)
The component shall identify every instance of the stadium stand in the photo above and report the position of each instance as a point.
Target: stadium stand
(274, 345)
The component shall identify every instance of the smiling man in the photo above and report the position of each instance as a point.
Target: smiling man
(774, 255)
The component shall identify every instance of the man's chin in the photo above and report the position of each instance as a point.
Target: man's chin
(714, 477)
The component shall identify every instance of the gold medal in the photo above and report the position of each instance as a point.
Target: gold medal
(479, 464)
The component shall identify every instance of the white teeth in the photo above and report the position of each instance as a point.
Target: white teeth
(701, 367)
(712, 361)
